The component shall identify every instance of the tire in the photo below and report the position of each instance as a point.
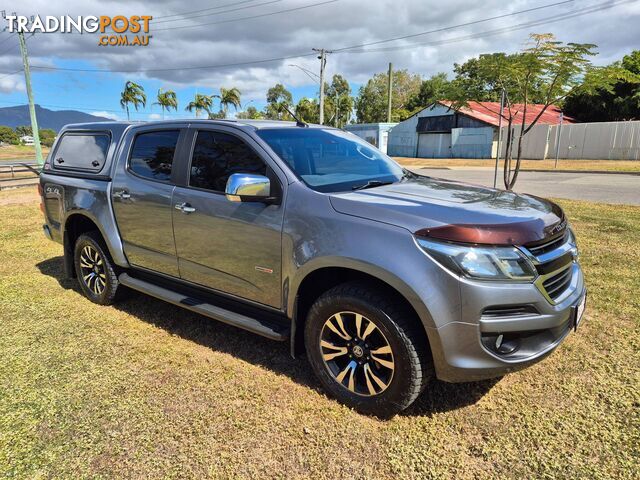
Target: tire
(394, 350)
(95, 269)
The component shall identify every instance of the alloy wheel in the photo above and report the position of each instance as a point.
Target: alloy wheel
(356, 353)
(92, 269)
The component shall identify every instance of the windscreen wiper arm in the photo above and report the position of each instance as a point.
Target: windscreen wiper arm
(371, 184)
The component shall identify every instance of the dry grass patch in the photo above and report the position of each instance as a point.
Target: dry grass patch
(20, 151)
(145, 389)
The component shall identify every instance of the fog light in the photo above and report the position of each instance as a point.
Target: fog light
(505, 346)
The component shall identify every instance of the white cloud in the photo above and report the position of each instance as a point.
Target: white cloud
(333, 25)
(12, 83)
(105, 114)
(154, 116)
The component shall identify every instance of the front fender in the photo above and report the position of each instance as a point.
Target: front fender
(362, 267)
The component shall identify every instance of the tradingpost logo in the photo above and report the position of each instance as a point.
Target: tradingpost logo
(119, 30)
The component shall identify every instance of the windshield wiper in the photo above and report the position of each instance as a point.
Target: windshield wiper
(371, 184)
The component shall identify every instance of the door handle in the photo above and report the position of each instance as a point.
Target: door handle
(185, 207)
(122, 194)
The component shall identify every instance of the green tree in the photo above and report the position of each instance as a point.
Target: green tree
(47, 136)
(251, 113)
(308, 110)
(228, 97)
(167, 100)
(545, 72)
(278, 100)
(200, 103)
(371, 103)
(622, 103)
(8, 135)
(219, 115)
(431, 90)
(23, 130)
(132, 94)
(340, 103)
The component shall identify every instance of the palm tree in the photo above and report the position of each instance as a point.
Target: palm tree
(167, 100)
(229, 97)
(134, 94)
(200, 103)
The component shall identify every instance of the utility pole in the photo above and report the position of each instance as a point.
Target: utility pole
(32, 109)
(389, 91)
(323, 63)
(495, 172)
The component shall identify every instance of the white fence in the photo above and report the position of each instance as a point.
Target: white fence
(594, 141)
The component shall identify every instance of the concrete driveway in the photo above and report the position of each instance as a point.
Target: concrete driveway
(595, 187)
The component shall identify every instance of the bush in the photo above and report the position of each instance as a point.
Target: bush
(8, 135)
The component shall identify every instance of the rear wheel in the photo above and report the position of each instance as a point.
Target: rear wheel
(366, 349)
(95, 269)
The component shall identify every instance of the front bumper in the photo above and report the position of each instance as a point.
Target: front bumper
(463, 351)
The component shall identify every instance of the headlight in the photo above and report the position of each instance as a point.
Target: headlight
(571, 240)
(479, 262)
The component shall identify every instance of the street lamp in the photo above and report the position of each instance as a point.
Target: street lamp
(309, 73)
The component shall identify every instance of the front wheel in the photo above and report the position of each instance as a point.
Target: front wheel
(367, 349)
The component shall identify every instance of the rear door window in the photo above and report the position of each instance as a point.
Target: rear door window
(82, 151)
(152, 154)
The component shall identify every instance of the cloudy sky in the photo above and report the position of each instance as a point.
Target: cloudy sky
(201, 45)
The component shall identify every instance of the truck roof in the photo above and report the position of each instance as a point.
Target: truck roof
(255, 124)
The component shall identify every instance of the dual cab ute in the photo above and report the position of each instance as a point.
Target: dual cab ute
(307, 234)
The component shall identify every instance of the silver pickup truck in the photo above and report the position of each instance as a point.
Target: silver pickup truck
(307, 234)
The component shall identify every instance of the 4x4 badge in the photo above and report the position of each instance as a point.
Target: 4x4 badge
(264, 269)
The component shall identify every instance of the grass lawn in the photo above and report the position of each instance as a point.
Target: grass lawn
(20, 151)
(145, 389)
(581, 165)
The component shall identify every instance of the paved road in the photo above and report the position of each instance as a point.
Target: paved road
(595, 187)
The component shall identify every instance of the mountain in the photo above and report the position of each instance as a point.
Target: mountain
(54, 119)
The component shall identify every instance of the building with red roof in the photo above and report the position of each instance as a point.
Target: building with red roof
(489, 113)
(438, 131)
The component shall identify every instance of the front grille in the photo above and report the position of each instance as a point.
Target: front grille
(547, 245)
(554, 258)
(556, 284)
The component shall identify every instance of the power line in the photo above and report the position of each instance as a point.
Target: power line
(203, 10)
(452, 27)
(11, 35)
(206, 67)
(293, 9)
(487, 33)
(153, 22)
(9, 74)
(344, 49)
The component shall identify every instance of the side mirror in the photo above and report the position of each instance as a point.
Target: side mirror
(247, 187)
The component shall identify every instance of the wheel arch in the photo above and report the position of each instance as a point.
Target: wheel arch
(314, 281)
(75, 224)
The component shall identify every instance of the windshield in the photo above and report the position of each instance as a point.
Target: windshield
(331, 160)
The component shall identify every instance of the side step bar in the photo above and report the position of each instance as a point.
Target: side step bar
(206, 309)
